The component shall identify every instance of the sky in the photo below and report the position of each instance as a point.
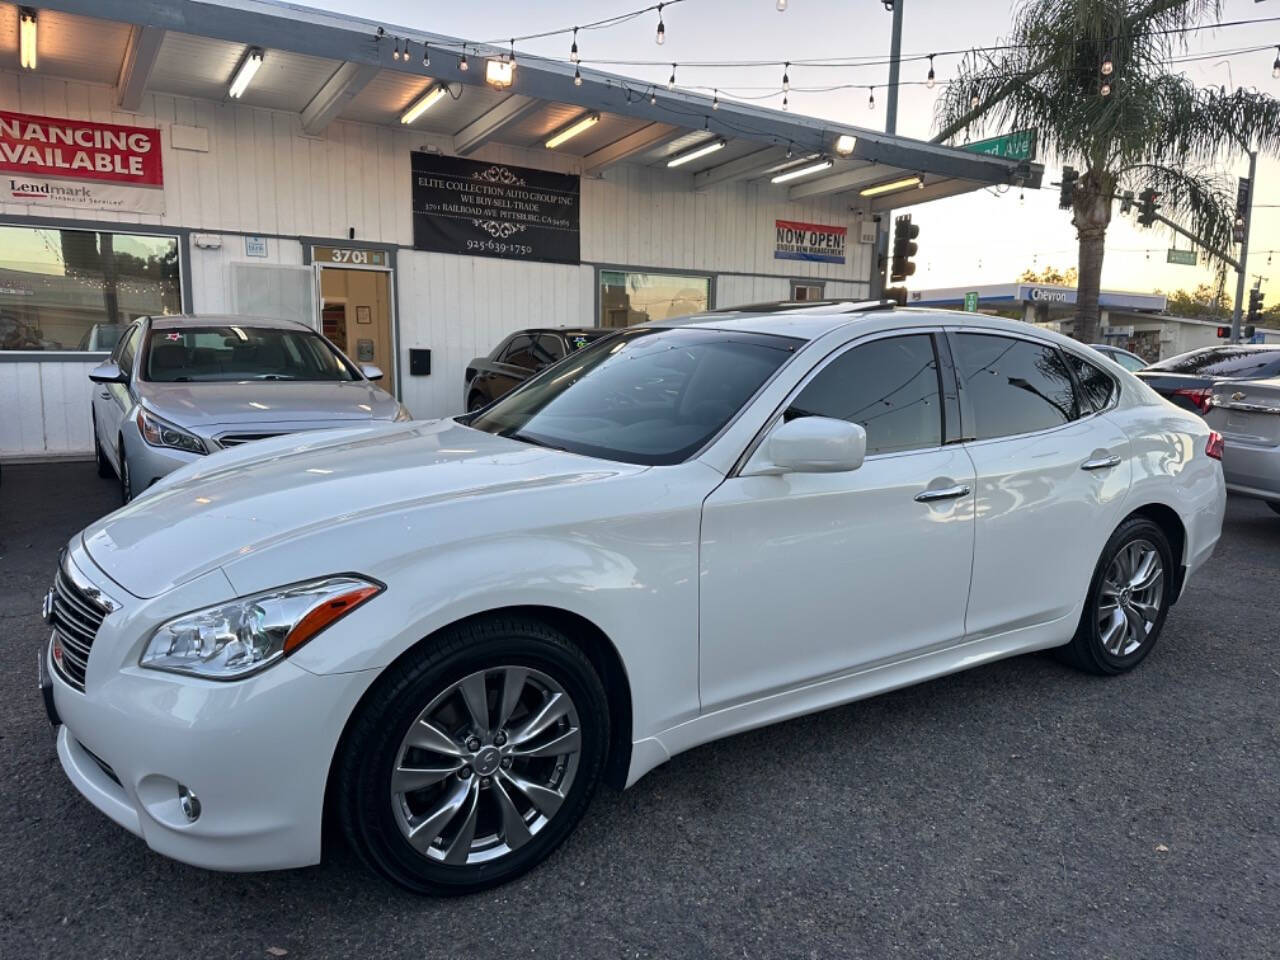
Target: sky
(973, 239)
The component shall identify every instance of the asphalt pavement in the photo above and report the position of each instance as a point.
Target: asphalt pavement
(1016, 810)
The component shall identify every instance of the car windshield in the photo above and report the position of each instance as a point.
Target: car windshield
(230, 353)
(646, 395)
(1222, 362)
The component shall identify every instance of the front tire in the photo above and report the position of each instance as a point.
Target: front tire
(104, 465)
(1129, 598)
(473, 757)
(126, 483)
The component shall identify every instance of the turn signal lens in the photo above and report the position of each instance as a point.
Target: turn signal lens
(326, 613)
(1215, 445)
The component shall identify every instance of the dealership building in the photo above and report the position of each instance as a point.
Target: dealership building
(415, 197)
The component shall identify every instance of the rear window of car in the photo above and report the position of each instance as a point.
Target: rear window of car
(1222, 362)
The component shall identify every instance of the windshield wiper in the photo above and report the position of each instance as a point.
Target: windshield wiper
(525, 438)
(274, 376)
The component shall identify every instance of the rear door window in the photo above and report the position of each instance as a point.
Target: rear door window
(1096, 387)
(520, 352)
(1014, 386)
(548, 348)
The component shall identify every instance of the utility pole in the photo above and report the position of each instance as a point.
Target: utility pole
(895, 63)
(1247, 213)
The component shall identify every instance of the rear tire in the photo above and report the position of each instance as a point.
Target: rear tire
(485, 793)
(1129, 597)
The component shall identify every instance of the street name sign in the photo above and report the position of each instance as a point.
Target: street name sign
(1186, 258)
(971, 301)
(1019, 145)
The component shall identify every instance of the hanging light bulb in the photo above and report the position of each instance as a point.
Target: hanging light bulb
(715, 100)
(782, 5)
(653, 97)
(1105, 89)
(932, 78)
(974, 100)
(871, 100)
(784, 102)
(661, 37)
(1275, 67)
(512, 58)
(462, 61)
(786, 80)
(1107, 67)
(671, 81)
(396, 54)
(426, 54)
(577, 77)
(573, 50)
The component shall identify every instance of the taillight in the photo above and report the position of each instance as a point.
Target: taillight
(1199, 397)
(1214, 447)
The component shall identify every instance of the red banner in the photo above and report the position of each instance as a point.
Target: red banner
(80, 150)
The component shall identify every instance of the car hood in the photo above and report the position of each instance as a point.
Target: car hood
(247, 500)
(263, 401)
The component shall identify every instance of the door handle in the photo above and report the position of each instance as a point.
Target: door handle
(1100, 463)
(104, 395)
(942, 493)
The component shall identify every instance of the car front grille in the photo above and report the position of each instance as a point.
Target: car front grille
(235, 439)
(76, 617)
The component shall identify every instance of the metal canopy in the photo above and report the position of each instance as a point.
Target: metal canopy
(326, 66)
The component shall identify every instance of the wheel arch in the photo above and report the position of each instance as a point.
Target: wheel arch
(1168, 520)
(589, 637)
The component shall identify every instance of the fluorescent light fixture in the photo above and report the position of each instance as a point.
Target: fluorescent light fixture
(581, 125)
(422, 104)
(845, 144)
(790, 162)
(699, 151)
(499, 72)
(893, 185)
(244, 73)
(804, 171)
(27, 41)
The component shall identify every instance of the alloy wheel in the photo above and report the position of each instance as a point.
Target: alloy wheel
(486, 765)
(1130, 597)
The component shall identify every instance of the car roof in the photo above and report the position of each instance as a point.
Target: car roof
(224, 320)
(588, 331)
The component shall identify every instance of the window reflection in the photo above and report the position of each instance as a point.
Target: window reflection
(627, 299)
(78, 289)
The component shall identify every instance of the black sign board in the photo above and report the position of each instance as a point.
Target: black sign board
(494, 210)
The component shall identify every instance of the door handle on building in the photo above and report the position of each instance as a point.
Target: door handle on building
(1100, 463)
(942, 493)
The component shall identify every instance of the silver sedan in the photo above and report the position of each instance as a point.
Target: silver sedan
(179, 388)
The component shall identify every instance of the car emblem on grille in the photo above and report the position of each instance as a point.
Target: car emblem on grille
(46, 608)
(1237, 396)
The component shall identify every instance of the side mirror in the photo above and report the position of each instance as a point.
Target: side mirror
(371, 371)
(108, 373)
(814, 445)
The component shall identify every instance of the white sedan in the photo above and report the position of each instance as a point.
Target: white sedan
(444, 635)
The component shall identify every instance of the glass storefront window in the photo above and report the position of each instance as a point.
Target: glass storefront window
(78, 289)
(628, 298)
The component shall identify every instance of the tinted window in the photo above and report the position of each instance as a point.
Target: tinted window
(1013, 386)
(1223, 362)
(1096, 387)
(646, 395)
(889, 386)
(520, 353)
(234, 353)
(548, 348)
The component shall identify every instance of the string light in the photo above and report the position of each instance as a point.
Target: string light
(786, 80)
(426, 54)
(781, 5)
(974, 100)
(661, 37)
(396, 54)
(1275, 67)
(653, 97)
(932, 78)
(871, 100)
(577, 77)
(513, 52)
(785, 105)
(671, 81)
(462, 61)
(1107, 66)
(1105, 89)
(715, 100)
(573, 50)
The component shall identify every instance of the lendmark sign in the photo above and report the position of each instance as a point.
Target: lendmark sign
(816, 242)
(78, 163)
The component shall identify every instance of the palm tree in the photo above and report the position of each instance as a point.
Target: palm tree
(1096, 79)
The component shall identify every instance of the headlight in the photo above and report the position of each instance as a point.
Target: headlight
(402, 413)
(158, 433)
(244, 636)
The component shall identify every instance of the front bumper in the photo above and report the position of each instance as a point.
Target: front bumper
(256, 752)
(147, 464)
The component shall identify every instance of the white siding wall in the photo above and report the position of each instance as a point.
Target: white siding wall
(262, 175)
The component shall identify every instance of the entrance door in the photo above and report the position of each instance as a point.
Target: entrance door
(355, 313)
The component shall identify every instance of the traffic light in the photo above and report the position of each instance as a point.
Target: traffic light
(904, 248)
(1069, 177)
(1237, 230)
(898, 294)
(1224, 333)
(1126, 201)
(1147, 211)
(1255, 306)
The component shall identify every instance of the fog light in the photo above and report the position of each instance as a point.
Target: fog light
(190, 803)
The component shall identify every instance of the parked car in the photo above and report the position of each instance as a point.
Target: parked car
(444, 635)
(178, 388)
(102, 336)
(1187, 380)
(1130, 361)
(1247, 414)
(519, 357)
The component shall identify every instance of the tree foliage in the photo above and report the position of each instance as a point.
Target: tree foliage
(1205, 301)
(1052, 275)
(1154, 129)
